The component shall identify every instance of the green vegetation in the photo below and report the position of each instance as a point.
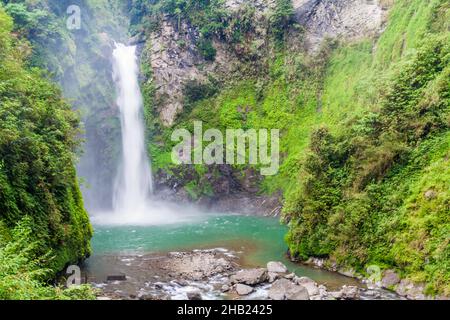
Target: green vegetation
(365, 141)
(43, 224)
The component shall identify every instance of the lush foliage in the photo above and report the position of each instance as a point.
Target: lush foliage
(22, 271)
(376, 191)
(365, 141)
(38, 145)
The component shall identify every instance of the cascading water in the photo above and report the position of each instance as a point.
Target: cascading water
(132, 201)
(134, 182)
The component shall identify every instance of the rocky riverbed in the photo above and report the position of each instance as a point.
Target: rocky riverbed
(212, 274)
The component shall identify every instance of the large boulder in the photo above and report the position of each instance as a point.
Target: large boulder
(350, 293)
(284, 289)
(312, 288)
(309, 284)
(276, 267)
(243, 289)
(273, 276)
(250, 277)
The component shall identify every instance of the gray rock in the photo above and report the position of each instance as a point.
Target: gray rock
(303, 280)
(250, 276)
(290, 276)
(243, 289)
(272, 276)
(194, 295)
(312, 288)
(347, 272)
(336, 294)
(284, 289)
(225, 288)
(407, 288)
(390, 279)
(276, 267)
(350, 292)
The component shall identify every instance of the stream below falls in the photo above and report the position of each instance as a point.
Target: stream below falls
(132, 251)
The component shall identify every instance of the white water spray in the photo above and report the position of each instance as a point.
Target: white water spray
(132, 201)
(134, 181)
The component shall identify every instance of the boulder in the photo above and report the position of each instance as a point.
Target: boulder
(290, 276)
(390, 279)
(336, 294)
(312, 288)
(250, 277)
(272, 276)
(284, 289)
(243, 289)
(303, 280)
(276, 267)
(350, 292)
(225, 288)
(194, 295)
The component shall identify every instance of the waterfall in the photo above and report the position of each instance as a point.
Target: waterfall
(133, 203)
(134, 180)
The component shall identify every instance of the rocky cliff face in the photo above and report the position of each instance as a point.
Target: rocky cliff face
(347, 19)
(175, 59)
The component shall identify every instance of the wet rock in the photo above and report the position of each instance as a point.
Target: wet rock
(147, 297)
(350, 292)
(336, 294)
(284, 289)
(312, 288)
(390, 279)
(347, 272)
(181, 282)
(303, 280)
(225, 288)
(250, 276)
(272, 277)
(194, 295)
(276, 267)
(290, 276)
(243, 289)
(116, 277)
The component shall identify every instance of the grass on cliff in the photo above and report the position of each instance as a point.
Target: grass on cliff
(364, 139)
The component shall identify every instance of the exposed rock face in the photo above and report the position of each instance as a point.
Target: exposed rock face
(175, 59)
(348, 19)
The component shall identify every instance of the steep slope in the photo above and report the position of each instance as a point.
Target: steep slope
(38, 143)
(362, 105)
(80, 62)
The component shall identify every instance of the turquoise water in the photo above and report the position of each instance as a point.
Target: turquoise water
(258, 240)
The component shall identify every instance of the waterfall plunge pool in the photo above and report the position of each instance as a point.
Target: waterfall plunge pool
(255, 240)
